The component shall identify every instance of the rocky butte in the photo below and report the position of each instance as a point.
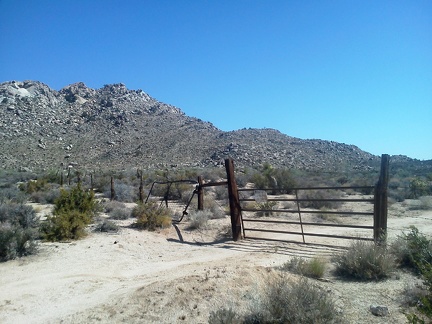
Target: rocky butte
(114, 127)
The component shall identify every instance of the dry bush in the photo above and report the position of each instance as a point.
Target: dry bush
(320, 194)
(18, 231)
(284, 301)
(151, 217)
(107, 226)
(199, 219)
(364, 260)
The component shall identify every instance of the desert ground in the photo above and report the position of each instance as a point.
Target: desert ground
(179, 275)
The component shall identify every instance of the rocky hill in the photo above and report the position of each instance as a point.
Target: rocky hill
(114, 127)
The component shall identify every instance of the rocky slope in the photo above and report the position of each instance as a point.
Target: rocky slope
(114, 127)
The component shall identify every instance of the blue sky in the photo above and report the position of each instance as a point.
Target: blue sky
(356, 72)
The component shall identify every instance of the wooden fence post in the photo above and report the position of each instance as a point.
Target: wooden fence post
(112, 189)
(200, 193)
(380, 205)
(234, 201)
(141, 186)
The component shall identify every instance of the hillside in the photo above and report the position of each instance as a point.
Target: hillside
(114, 127)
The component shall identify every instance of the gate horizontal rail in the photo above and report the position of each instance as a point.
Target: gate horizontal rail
(305, 223)
(311, 234)
(308, 211)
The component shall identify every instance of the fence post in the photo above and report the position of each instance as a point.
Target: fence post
(234, 201)
(380, 205)
(112, 189)
(200, 193)
(140, 189)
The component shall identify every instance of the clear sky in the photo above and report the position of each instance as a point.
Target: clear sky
(356, 72)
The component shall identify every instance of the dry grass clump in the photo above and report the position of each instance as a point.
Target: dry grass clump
(364, 260)
(313, 268)
(150, 216)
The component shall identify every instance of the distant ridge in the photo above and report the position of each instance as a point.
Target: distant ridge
(114, 127)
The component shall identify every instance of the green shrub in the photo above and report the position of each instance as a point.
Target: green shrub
(313, 268)
(364, 260)
(73, 211)
(150, 216)
(412, 250)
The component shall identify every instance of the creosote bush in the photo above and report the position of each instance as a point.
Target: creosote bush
(73, 211)
(364, 260)
(150, 216)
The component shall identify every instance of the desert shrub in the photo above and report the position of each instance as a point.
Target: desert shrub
(123, 192)
(45, 197)
(199, 219)
(423, 203)
(32, 186)
(107, 226)
(119, 213)
(110, 205)
(285, 301)
(364, 260)
(73, 211)
(419, 187)
(18, 231)
(13, 195)
(280, 180)
(266, 208)
(313, 268)
(16, 241)
(150, 216)
(221, 192)
(320, 194)
(66, 225)
(225, 316)
(412, 250)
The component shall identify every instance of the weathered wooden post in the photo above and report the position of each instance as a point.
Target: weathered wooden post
(234, 201)
(380, 205)
(61, 178)
(141, 192)
(112, 189)
(91, 181)
(200, 193)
